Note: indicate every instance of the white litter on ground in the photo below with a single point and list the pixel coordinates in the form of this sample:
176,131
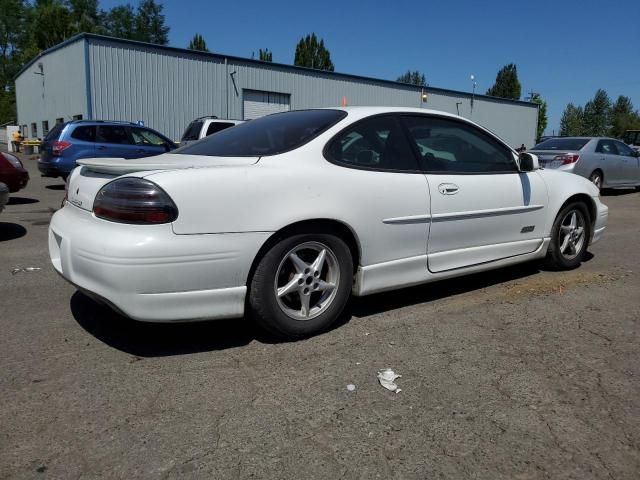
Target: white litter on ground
25,269
387,379
351,387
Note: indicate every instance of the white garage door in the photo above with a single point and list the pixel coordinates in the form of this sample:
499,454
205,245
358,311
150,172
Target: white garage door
258,104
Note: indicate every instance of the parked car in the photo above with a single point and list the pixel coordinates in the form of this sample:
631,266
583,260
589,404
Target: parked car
12,172
605,161
4,195
205,126
296,211
68,142
632,138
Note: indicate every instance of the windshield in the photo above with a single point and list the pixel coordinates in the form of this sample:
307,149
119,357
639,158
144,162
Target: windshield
562,144
268,135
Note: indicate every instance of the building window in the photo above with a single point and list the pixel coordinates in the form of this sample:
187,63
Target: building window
34,130
59,120
77,117
45,128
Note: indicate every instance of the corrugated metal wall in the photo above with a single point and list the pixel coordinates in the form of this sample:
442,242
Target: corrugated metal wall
59,93
167,88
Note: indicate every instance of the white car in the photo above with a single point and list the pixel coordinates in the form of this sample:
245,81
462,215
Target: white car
204,126
290,214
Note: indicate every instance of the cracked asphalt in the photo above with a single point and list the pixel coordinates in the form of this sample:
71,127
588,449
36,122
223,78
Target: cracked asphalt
513,374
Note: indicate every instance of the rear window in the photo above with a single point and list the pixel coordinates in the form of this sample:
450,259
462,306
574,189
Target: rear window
268,135
86,133
55,132
193,131
562,144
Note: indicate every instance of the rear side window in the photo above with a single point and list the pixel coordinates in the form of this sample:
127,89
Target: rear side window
376,143
55,132
113,134
193,131
217,127
562,144
623,149
452,146
85,133
268,135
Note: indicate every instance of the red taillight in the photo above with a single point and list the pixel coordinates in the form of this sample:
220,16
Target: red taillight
59,146
567,158
134,200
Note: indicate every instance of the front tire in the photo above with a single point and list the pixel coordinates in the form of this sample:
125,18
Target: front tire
301,285
596,178
569,237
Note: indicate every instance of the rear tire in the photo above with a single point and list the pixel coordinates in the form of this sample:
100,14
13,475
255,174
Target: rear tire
301,285
570,237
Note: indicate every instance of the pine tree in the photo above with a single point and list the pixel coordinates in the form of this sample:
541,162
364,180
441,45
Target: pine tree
413,78
507,84
313,54
198,43
150,25
597,115
571,123
265,55
623,117
542,114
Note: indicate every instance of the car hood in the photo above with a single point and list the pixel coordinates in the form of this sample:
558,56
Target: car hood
168,161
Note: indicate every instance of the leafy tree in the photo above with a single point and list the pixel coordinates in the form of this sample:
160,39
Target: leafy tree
507,84
198,43
265,55
542,114
571,123
85,16
50,23
597,115
312,53
120,22
149,25
413,78
13,36
623,117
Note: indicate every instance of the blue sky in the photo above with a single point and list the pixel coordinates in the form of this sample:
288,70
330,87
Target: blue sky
564,49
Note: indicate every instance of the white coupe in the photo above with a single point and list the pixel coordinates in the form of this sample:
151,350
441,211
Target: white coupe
284,217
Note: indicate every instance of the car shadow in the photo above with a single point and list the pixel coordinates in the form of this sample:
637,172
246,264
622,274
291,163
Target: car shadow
21,201
611,192
143,339
11,231
55,187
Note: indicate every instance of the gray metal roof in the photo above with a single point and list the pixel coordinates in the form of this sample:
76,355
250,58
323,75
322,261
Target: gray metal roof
281,66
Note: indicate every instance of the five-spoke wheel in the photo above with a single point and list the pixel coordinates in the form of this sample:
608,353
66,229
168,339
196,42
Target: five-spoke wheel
569,236
301,284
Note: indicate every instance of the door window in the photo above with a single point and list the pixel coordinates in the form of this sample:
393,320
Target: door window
377,143
113,134
607,147
142,136
454,147
623,149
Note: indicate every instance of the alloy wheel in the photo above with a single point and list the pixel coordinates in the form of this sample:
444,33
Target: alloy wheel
571,235
307,281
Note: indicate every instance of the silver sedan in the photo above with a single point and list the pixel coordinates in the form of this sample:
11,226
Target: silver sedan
607,162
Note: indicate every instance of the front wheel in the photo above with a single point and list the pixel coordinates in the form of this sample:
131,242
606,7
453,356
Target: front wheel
569,237
301,285
596,179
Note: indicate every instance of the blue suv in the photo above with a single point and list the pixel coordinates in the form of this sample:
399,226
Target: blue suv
71,141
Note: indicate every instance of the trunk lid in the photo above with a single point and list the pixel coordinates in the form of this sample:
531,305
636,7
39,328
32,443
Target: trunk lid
546,157
85,182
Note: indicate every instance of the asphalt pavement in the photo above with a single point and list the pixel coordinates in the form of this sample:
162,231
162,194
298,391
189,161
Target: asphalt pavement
518,373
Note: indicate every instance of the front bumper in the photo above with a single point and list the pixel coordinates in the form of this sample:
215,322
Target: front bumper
600,223
148,272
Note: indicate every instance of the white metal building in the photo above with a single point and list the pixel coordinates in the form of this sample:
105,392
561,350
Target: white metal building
95,77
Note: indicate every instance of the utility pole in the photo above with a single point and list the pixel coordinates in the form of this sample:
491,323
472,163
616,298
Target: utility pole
532,94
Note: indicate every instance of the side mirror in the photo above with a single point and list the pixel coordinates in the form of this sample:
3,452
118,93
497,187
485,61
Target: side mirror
528,162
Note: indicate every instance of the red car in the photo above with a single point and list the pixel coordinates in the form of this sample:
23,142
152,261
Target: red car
12,172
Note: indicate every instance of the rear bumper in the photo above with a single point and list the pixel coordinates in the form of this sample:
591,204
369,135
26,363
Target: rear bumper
16,180
53,170
149,273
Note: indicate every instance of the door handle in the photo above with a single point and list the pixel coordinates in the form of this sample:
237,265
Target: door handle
448,188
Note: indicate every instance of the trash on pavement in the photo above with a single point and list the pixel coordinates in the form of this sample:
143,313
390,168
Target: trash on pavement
25,269
351,387
387,379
